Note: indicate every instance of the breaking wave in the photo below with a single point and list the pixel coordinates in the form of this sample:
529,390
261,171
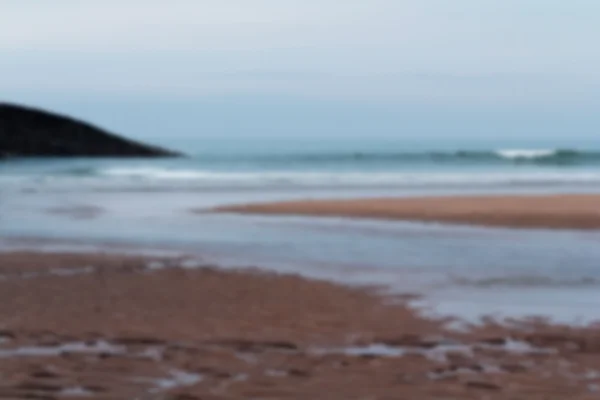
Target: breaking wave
196,179
555,157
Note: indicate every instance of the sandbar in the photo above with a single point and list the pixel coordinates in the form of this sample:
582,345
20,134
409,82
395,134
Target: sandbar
517,211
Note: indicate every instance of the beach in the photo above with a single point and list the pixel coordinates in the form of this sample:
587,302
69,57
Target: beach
129,327
316,200
175,280
541,211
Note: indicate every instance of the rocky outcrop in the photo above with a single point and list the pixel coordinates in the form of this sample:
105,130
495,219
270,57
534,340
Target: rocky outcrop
28,132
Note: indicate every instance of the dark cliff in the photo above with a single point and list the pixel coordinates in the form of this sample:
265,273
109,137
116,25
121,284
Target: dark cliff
29,132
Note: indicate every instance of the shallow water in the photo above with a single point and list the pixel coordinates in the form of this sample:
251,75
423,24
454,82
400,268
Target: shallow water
464,271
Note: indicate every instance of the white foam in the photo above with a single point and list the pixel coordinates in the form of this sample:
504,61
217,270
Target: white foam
189,180
527,154
155,173
220,179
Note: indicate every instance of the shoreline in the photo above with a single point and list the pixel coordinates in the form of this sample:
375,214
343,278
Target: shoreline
512,211
121,327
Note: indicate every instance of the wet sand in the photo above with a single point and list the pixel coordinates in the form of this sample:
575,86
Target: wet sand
122,327
556,211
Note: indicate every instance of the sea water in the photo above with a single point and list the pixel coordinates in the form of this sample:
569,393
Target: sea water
309,164
465,271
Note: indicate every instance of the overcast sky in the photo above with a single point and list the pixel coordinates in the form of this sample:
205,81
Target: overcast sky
286,67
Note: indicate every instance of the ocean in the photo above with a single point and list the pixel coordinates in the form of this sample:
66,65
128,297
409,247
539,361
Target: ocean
314,164
147,205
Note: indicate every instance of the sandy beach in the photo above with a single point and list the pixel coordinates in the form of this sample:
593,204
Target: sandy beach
551,211
117,327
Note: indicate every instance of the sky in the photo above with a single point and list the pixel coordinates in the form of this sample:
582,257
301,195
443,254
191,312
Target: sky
307,69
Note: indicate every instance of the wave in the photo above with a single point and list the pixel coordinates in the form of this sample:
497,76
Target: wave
556,157
189,178
527,154
550,156
343,169
336,176
541,156
160,173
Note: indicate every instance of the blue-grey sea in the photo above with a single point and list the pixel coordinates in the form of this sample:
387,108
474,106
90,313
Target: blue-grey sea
470,272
